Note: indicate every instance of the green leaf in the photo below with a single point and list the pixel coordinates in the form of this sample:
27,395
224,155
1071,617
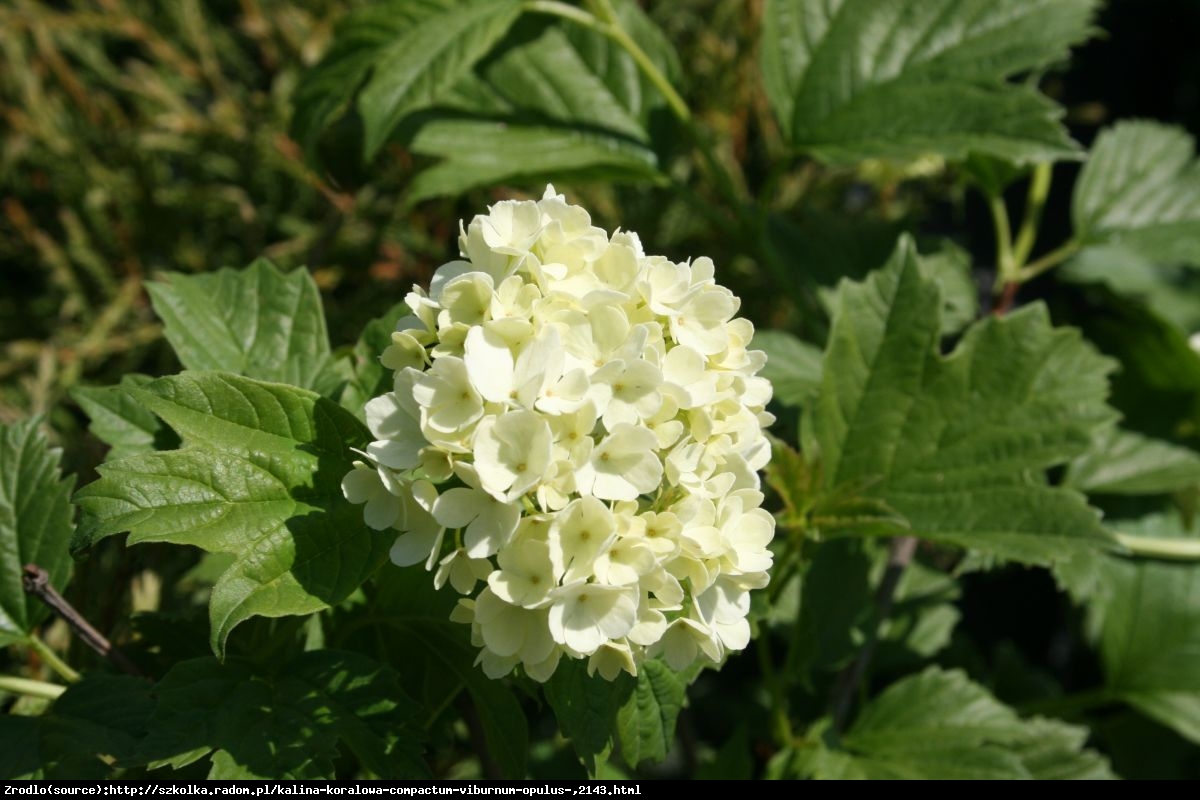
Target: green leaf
97,720
794,480
633,716
20,758
793,366
1171,291
835,600
950,269
922,619
120,421
646,723
368,377
1123,462
284,725
361,37
437,660
940,725
586,708
1140,189
991,175
958,444
259,476
516,152
1147,616
860,79
553,102
257,322
427,59
36,519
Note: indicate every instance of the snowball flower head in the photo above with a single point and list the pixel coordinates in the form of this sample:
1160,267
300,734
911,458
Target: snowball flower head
573,442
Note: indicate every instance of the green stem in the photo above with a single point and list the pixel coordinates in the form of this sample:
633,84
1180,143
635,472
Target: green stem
1039,190
604,10
52,660
1006,265
604,20
1048,261
29,688
1174,548
781,725
557,9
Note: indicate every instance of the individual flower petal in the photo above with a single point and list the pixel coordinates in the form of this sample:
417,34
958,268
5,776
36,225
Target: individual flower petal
512,452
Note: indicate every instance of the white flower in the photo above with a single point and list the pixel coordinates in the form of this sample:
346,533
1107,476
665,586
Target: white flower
584,616
512,452
365,484
578,426
422,537
622,466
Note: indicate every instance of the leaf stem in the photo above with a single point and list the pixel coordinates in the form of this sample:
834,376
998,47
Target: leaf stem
1006,266
1048,261
1174,548
52,660
566,11
603,19
1039,189
603,9
30,688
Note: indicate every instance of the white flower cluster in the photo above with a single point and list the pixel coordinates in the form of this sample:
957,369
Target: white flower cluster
578,426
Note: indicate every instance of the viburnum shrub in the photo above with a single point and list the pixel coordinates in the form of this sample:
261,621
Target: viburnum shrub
532,506
576,426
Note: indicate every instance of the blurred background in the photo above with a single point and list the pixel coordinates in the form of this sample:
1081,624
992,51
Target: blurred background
138,137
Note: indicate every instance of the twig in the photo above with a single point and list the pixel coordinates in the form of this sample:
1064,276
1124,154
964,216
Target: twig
36,581
900,554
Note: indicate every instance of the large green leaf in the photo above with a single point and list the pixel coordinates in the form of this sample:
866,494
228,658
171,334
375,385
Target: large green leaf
1123,462
259,476
414,70
36,519
556,102
856,79
958,444
481,152
634,717
96,721
404,55
1140,190
287,724
646,722
1147,615
120,421
938,724
256,322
